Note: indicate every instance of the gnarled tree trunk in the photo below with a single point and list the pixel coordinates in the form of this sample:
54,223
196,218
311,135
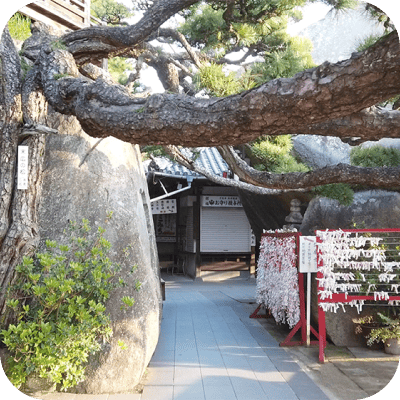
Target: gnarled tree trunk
18,208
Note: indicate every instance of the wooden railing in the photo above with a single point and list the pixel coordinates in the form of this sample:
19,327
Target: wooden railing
62,14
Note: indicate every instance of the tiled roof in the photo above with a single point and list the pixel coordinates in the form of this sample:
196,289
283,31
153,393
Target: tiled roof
208,158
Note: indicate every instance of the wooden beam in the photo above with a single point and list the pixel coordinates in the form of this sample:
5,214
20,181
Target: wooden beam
59,13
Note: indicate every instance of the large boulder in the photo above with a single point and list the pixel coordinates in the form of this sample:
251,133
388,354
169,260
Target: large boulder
321,151
86,179
370,209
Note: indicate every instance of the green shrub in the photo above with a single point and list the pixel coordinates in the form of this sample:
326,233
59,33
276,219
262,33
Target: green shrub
375,156
58,300
19,27
337,191
272,153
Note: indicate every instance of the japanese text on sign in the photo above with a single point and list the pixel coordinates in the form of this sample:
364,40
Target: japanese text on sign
221,201
164,206
308,254
22,173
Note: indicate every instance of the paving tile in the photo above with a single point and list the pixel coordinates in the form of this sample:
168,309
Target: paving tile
278,391
193,392
187,375
211,358
219,393
261,363
217,378
185,356
160,375
304,387
286,365
158,393
247,389
209,349
135,396
163,356
57,396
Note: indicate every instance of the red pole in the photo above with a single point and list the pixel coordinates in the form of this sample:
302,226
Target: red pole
321,334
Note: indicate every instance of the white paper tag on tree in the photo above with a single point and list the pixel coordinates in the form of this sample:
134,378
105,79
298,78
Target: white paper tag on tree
22,173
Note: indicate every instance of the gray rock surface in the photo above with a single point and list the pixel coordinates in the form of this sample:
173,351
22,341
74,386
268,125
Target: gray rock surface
370,209
337,35
321,151
79,183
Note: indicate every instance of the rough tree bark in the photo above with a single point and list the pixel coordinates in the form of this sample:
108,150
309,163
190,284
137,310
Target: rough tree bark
18,208
340,173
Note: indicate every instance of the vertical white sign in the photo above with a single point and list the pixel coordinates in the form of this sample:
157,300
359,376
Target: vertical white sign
308,254
22,173
308,264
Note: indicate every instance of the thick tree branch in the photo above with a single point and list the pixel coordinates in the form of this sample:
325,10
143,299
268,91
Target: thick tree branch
373,123
341,173
174,34
180,158
97,42
318,95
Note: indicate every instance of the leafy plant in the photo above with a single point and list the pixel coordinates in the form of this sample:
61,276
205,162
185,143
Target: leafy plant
391,330
58,300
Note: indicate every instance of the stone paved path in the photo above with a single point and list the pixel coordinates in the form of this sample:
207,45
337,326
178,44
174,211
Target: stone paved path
209,349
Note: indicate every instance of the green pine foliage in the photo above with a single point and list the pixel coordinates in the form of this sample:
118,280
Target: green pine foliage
273,154
117,66
341,192
204,27
342,4
19,27
296,57
213,78
110,11
154,150
58,301
375,156
367,42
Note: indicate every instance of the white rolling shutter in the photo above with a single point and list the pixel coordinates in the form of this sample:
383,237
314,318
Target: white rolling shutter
224,230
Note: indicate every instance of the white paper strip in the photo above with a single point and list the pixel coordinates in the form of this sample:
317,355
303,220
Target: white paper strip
22,173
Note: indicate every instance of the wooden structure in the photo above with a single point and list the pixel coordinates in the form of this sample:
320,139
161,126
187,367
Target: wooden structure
61,14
